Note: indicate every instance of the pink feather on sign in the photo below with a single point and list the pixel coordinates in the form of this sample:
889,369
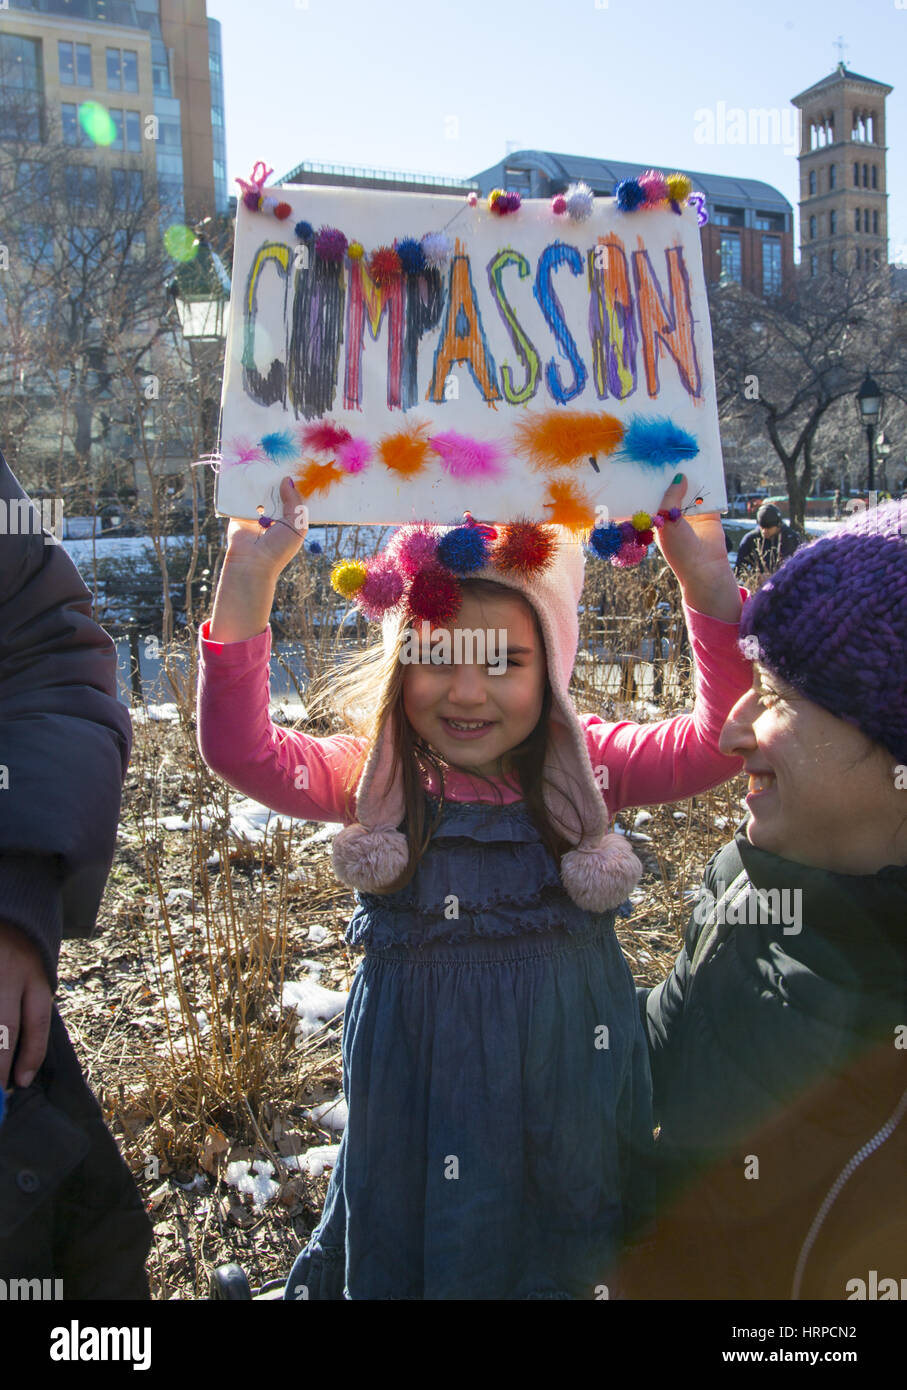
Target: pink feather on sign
468,458
323,435
244,451
354,454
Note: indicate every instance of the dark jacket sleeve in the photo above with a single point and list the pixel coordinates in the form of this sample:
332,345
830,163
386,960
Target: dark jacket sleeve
662,1007
65,738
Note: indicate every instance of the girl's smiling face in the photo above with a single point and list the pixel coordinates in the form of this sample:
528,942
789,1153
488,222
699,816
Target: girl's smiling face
820,792
505,694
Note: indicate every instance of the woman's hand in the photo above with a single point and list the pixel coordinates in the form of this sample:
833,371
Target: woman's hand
270,548
694,548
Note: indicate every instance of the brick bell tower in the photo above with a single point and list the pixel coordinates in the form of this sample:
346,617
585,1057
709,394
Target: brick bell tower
843,198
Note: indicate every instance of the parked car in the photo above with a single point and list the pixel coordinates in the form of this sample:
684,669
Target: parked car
747,503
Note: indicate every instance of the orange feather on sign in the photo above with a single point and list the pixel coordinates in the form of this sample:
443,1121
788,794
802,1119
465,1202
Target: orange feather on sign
569,506
558,438
407,451
318,477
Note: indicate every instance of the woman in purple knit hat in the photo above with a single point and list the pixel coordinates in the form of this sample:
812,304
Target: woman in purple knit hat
779,1040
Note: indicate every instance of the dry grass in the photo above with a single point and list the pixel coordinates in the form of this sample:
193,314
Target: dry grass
176,1012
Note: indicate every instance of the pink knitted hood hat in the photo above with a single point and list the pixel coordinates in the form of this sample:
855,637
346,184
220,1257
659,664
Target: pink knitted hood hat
415,579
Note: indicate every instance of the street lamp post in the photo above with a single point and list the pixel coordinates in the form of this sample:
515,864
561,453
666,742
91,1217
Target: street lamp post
201,292
869,404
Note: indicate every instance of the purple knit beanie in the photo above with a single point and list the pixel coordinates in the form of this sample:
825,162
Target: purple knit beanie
832,622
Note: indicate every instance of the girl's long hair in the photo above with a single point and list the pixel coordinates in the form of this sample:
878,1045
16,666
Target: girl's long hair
366,693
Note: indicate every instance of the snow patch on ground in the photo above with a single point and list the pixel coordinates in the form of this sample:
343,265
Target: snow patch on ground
255,1178
313,1004
332,1115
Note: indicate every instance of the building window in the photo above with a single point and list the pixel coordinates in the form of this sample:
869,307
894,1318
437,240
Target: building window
813,265
812,228
730,258
858,258
122,70
160,79
130,70
865,175
21,88
832,223
133,131
214,64
832,178
75,64
875,176
866,219
81,182
32,180
126,186
37,244
728,217
73,133
220,169
217,116
812,182
129,245
875,223
856,176
84,247
771,265
856,219
834,260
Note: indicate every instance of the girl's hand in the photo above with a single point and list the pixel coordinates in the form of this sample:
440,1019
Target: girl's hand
270,548
694,548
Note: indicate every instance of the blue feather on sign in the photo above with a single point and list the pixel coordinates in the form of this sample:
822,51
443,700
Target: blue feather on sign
279,445
657,442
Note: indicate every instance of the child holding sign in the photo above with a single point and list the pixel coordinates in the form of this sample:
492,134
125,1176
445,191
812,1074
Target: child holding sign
494,1064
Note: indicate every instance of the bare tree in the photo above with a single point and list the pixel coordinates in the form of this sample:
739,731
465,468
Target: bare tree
783,364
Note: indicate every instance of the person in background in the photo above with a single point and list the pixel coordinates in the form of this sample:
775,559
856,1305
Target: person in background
764,549
69,1207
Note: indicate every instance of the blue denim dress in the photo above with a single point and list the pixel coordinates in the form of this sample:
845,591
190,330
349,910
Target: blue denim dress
497,1078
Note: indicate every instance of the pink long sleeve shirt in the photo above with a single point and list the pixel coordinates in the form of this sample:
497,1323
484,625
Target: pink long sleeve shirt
665,761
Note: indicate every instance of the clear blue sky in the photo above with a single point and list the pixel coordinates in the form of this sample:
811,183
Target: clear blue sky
443,87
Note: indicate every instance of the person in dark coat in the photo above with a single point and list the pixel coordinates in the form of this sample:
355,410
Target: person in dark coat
778,1042
69,1207
771,542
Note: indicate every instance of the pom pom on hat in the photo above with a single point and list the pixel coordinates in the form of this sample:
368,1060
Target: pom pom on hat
348,577
369,859
413,547
382,589
435,595
463,549
630,554
559,204
355,250
282,211
304,230
524,548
